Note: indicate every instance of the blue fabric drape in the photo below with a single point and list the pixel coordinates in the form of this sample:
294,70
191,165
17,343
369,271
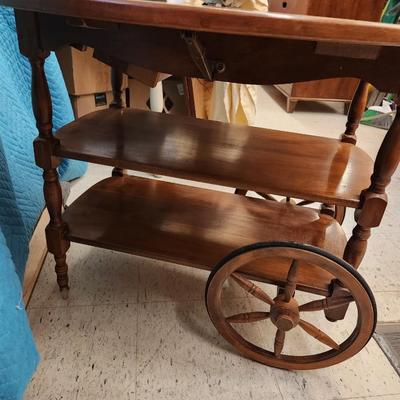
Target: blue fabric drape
21,199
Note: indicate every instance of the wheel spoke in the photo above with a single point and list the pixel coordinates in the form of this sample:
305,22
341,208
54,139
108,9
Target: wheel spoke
266,196
318,334
244,318
251,288
326,303
305,203
279,342
290,286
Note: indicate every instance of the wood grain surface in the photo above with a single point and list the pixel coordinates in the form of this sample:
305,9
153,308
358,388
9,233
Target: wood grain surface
197,227
263,160
186,15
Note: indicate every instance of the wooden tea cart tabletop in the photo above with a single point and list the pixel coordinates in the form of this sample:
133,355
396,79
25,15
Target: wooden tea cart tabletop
192,15
227,44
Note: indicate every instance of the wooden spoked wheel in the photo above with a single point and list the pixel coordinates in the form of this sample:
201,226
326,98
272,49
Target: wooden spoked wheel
337,212
284,312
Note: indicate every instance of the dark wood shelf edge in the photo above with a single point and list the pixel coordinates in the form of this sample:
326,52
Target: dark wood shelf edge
190,176
264,160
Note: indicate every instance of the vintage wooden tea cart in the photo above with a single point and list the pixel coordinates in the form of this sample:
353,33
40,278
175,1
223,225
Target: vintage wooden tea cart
293,247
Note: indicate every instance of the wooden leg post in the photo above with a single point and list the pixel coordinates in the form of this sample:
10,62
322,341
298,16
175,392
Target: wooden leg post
43,147
117,78
373,204
290,105
356,112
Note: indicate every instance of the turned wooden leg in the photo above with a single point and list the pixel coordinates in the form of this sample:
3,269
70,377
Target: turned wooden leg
118,171
356,112
357,245
43,147
56,230
189,97
373,204
117,79
290,105
353,254
346,108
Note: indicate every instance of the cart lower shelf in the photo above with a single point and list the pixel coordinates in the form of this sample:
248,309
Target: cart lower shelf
264,160
198,227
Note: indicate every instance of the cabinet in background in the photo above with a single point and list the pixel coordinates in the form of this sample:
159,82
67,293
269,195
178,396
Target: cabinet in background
341,89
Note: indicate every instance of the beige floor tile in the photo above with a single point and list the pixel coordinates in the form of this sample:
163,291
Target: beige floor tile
388,304
97,276
163,281
395,396
87,352
380,266
61,331
181,356
369,373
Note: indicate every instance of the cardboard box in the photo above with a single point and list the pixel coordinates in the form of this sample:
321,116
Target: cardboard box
174,96
146,76
83,74
88,103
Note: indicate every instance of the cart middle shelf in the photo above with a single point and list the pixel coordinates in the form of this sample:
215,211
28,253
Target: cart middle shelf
264,160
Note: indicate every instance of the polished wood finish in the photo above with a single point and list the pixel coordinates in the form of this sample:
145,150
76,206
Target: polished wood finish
279,342
374,199
43,147
327,303
117,78
290,286
283,60
244,318
251,288
285,313
309,167
357,108
337,212
318,334
372,207
212,19
196,227
189,97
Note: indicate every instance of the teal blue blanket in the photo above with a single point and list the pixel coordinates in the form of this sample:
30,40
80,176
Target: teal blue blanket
21,199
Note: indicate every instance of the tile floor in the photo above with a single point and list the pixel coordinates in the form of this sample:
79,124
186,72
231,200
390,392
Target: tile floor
135,328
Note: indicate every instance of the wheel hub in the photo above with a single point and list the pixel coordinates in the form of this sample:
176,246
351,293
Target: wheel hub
285,315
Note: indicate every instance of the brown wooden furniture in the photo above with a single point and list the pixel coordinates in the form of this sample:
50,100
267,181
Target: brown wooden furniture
292,247
339,89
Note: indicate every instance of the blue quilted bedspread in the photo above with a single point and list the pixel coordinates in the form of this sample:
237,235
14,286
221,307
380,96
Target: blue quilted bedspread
21,199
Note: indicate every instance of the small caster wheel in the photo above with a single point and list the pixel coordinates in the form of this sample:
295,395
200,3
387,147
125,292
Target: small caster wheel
313,348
